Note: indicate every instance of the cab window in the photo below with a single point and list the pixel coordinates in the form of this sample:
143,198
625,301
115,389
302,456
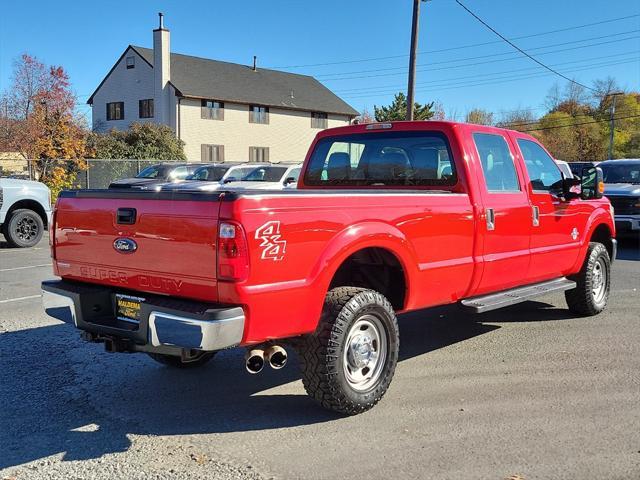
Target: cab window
543,171
382,159
497,163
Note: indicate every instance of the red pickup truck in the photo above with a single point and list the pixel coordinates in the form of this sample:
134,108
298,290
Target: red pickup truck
387,218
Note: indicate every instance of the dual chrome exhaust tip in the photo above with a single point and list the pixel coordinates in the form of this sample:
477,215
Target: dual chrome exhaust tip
255,359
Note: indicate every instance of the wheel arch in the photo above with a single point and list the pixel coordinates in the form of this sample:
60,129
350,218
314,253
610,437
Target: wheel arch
365,251
29,204
603,234
600,228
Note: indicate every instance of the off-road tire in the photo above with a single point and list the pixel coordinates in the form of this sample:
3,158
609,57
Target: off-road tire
28,220
177,362
581,300
322,353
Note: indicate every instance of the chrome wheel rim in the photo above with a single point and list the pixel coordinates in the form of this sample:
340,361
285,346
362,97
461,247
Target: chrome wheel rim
599,285
365,353
26,229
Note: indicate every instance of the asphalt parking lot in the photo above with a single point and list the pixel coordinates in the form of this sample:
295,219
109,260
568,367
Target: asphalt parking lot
529,391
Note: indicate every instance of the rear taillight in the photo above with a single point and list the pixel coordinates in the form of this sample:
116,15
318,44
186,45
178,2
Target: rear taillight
233,255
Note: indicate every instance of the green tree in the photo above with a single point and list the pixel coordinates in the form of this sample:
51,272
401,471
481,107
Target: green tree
627,123
398,110
142,141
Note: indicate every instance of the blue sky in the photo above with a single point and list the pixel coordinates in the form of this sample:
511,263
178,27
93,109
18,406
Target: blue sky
87,37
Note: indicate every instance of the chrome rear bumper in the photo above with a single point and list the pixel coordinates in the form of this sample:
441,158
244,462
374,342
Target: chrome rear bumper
164,323
173,330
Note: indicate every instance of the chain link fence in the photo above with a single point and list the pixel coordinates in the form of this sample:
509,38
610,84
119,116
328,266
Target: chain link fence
98,173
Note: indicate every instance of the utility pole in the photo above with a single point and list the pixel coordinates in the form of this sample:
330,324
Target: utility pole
613,122
412,57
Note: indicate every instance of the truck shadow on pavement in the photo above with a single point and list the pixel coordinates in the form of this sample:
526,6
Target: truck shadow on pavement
60,395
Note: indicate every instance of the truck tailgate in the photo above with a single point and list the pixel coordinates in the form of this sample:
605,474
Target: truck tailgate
169,249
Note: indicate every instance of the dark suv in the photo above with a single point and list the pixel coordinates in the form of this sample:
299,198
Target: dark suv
156,174
622,187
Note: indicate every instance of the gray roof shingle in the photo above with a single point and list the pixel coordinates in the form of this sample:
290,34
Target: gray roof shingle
204,78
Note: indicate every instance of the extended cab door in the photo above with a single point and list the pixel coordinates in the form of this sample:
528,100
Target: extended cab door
504,228
556,224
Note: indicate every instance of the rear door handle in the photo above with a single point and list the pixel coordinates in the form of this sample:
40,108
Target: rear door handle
535,214
126,216
491,219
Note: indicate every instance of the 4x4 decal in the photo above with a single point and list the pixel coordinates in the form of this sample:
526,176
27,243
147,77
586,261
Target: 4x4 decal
272,244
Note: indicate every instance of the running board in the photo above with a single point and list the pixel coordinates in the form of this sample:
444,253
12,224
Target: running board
493,301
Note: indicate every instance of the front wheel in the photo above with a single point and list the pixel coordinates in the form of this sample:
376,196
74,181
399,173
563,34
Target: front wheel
593,283
348,363
23,228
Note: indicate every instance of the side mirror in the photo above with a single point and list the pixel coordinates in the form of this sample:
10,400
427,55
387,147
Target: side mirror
592,183
567,186
230,179
289,180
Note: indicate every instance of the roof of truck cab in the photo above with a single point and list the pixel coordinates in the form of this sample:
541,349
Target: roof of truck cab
402,125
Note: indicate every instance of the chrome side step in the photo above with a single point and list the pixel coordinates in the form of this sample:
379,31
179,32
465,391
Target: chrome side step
493,301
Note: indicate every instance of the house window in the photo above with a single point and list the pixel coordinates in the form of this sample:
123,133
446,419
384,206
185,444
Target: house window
145,108
115,111
131,62
319,120
258,114
212,153
258,154
212,110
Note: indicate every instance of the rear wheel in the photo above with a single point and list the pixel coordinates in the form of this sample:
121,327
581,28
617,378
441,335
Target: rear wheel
178,362
593,283
348,363
23,228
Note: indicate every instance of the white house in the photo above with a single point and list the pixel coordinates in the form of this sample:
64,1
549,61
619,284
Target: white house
221,110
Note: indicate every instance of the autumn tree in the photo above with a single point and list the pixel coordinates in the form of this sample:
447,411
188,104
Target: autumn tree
398,110
521,119
479,117
364,117
41,123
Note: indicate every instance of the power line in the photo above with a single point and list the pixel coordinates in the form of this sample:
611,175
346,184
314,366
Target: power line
521,50
449,67
449,86
373,59
383,87
502,54
577,124
631,111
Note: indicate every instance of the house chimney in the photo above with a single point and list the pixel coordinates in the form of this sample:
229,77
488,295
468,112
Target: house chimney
255,63
162,74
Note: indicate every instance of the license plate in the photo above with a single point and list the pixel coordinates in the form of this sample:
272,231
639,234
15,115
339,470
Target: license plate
128,308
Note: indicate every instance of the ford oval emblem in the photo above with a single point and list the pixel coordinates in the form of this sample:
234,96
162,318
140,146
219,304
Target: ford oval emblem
125,245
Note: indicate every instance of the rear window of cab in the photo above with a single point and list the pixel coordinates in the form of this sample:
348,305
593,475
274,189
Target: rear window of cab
382,159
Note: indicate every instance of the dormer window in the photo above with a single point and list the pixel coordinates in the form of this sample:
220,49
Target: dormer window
131,62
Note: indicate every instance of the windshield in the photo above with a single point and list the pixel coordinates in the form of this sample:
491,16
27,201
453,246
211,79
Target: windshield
257,174
212,174
154,171
623,173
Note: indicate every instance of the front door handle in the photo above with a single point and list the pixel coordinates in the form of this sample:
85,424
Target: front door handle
535,214
491,219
